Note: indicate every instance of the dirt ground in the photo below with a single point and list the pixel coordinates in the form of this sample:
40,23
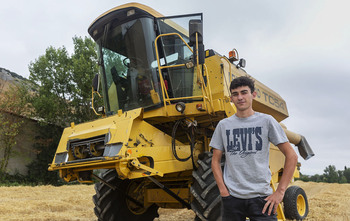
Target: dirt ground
326,201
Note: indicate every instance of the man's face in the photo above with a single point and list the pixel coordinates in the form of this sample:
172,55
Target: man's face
242,98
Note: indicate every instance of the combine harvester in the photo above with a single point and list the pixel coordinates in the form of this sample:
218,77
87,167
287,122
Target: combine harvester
163,97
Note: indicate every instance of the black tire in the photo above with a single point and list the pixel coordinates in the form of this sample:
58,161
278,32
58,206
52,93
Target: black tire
206,196
113,205
295,203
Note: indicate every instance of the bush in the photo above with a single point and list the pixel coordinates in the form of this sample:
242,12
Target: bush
46,145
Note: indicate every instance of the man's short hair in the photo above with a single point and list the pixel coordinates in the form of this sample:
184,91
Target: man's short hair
242,81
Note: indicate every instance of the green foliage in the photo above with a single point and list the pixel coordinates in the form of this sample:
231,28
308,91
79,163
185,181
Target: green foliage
14,180
12,105
317,178
346,174
45,145
9,130
343,179
59,93
63,95
63,83
314,178
330,175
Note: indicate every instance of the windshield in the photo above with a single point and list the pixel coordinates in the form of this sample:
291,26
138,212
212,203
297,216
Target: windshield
126,52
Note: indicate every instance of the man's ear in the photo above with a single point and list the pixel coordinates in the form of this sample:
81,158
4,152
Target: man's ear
254,94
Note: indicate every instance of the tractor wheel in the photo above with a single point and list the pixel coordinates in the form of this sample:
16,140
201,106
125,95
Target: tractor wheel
295,203
123,203
206,196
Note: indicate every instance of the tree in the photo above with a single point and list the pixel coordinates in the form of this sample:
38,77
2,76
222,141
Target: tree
330,174
84,61
316,178
63,83
347,174
343,179
304,178
45,145
12,107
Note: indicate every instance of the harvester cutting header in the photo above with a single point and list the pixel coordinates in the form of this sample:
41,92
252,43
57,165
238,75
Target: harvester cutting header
163,96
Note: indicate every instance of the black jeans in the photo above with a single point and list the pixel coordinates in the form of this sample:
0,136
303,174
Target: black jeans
235,209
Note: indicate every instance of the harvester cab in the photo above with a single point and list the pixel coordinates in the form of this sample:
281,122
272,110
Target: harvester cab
163,96
131,56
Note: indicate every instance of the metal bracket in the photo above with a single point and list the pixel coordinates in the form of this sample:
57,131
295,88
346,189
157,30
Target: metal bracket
136,163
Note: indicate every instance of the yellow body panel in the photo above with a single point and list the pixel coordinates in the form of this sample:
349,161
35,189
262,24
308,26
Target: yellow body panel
222,72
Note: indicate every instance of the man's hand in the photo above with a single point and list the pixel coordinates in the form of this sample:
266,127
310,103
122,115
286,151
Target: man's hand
272,202
224,193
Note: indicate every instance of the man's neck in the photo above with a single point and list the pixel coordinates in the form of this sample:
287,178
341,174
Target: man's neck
245,113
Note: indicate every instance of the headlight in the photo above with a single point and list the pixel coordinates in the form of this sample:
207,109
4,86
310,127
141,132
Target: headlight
61,158
180,107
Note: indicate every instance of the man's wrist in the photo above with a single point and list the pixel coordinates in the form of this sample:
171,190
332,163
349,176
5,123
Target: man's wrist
225,194
281,190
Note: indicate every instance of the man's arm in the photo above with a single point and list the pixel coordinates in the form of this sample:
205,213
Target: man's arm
288,171
216,167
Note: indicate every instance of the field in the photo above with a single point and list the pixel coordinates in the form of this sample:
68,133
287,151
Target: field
326,201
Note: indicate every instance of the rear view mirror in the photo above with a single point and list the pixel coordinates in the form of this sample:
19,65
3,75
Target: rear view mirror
241,63
196,28
95,83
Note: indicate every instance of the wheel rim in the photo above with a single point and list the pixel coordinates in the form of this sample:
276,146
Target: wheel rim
136,190
301,205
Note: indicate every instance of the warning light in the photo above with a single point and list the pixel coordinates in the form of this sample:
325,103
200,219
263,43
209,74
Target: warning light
233,55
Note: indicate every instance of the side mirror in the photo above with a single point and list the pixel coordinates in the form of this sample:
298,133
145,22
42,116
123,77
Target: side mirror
95,83
241,63
196,29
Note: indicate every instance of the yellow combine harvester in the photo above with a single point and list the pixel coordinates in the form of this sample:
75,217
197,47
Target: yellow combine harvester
163,96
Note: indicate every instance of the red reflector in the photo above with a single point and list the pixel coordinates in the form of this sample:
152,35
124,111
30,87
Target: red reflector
199,107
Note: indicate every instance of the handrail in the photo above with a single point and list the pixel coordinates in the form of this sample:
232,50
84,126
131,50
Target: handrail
200,79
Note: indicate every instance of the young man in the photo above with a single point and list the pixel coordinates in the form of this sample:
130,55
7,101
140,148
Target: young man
244,138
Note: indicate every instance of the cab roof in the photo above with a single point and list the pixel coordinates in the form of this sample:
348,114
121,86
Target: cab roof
120,12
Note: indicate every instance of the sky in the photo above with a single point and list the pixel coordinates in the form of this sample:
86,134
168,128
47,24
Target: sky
300,49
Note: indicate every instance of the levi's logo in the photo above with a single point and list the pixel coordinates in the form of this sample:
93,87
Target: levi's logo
244,141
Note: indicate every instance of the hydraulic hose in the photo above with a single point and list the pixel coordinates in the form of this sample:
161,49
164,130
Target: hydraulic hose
191,134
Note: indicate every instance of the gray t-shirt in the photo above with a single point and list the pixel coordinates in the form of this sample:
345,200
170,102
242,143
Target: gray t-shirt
246,143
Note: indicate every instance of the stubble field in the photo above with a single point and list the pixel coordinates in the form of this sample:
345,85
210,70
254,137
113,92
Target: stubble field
44,203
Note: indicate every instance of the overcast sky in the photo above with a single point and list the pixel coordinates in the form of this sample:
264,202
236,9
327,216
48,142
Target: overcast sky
298,48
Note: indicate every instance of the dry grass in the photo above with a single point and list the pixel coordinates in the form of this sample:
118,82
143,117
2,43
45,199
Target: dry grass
47,203
327,202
